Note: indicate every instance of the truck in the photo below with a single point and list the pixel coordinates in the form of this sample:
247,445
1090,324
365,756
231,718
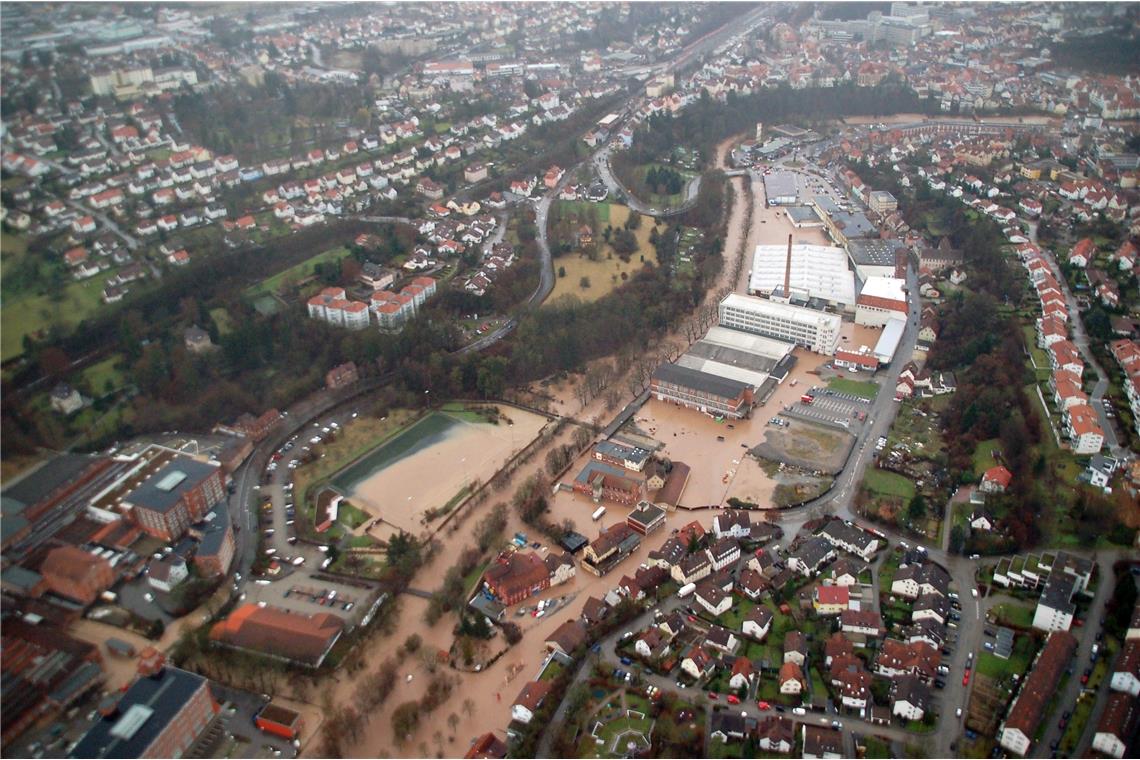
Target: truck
598,514
687,589
807,398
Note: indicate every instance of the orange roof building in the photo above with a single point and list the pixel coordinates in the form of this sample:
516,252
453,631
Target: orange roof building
278,633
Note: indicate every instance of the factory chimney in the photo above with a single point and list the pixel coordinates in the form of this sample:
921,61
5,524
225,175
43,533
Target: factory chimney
788,271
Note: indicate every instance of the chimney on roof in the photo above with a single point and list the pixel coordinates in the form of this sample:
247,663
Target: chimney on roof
109,705
151,662
788,270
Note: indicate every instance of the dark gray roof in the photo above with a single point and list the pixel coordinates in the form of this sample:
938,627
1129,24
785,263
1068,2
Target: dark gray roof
701,381
874,252
161,499
646,514
214,535
731,356
164,695
46,479
622,451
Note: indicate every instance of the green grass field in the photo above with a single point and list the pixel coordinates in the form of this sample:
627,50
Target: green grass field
1013,614
888,483
584,208
993,666
99,375
296,272
222,319
863,389
983,456
28,314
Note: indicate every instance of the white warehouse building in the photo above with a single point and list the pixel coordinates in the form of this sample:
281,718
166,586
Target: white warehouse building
810,271
816,330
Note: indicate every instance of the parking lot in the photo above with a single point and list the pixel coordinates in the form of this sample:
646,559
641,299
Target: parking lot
832,408
309,596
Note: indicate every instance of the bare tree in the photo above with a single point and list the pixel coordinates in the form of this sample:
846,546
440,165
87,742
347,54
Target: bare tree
469,706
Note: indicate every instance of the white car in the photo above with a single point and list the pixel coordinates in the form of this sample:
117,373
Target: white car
148,596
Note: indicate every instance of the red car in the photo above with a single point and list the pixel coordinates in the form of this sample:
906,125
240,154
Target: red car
764,705
966,678
733,699
713,696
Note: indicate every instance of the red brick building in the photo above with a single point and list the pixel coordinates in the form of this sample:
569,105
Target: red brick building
517,576
160,715
73,573
278,633
176,495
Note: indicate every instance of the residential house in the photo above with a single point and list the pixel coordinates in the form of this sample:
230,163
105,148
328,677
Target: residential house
810,556
714,600
775,733
567,638
910,698
791,679
698,664
1118,725
1024,717
996,480
757,622
743,674
732,523
795,648
820,742
612,546
1126,671
830,600
528,701
915,579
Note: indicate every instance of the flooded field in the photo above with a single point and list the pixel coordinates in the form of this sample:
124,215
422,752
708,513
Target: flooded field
429,463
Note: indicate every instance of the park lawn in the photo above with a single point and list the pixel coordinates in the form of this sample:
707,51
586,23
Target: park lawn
657,199
296,272
583,209
603,275
888,484
12,248
1014,615
861,388
996,668
361,542
983,456
104,374
351,516
28,314
222,319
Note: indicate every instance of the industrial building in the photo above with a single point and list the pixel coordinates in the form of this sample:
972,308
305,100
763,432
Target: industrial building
842,225
780,189
802,272
889,339
813,329
874,257
705,392
882,299
740,356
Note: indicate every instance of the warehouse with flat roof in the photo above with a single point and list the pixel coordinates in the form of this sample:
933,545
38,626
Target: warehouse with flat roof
780,189
873,257
811,271
882,299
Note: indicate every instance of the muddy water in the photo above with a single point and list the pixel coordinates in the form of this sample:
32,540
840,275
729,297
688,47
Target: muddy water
402,491
492,691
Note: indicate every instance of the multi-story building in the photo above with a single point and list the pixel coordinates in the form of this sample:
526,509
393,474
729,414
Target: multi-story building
1028,709
161,714
817,330
216,548
882,202
178,494
333,306
881,299
76,574
703,391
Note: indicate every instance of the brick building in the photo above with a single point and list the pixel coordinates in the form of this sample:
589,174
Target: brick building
73,573
180,493
278,633
160,715
216,547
